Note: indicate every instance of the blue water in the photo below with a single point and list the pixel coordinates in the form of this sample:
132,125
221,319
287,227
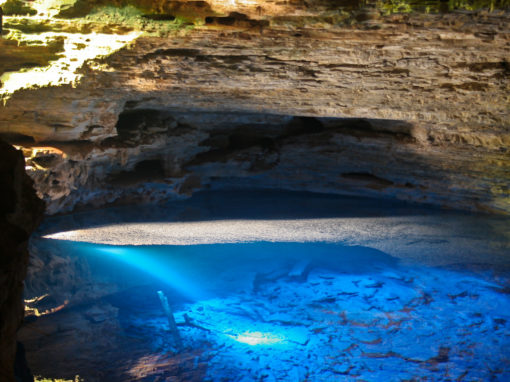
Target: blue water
196,272
314,311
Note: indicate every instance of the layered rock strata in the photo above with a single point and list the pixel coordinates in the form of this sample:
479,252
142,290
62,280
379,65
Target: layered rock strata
20,212
414,107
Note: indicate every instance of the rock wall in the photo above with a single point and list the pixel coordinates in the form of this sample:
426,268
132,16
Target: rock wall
408,106
20,212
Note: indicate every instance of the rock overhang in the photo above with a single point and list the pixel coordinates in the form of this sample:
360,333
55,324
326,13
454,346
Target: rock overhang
416,106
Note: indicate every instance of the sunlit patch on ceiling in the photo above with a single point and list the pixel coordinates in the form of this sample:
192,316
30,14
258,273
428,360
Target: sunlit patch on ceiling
78,48
234,3
50,8
40,157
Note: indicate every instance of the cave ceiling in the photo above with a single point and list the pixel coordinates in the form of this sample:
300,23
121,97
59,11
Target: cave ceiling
129,101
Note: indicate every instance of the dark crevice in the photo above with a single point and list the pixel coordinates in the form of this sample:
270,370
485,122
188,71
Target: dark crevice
361,128
140,125
367,177
133,121
17,138
226,144
159,17
175,52
255,139
236,19
144,171
303,125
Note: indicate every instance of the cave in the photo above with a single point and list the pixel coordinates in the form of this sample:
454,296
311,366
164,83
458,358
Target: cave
254,190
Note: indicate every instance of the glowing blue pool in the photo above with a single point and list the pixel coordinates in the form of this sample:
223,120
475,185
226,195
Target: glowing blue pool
388,300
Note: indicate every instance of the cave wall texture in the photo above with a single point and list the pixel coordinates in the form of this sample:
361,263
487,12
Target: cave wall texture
20,212
412,106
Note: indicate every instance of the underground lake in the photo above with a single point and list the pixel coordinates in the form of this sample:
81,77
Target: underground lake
270,286
254,190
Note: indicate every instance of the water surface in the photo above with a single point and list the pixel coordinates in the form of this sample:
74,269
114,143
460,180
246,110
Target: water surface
283,286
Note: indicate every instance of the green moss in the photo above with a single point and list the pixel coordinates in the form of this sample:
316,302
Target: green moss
189,11
17,7
438,6
82,8
131,18
112,15
395,6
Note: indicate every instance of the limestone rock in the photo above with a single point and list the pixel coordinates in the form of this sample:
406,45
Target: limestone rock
416,109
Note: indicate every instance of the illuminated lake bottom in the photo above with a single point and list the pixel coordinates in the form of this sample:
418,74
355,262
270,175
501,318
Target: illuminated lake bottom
280,311
317,312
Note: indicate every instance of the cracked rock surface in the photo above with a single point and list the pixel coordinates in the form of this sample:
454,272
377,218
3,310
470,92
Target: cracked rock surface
415,109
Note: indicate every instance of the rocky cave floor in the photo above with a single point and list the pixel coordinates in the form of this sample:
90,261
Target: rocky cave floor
389,300
394,324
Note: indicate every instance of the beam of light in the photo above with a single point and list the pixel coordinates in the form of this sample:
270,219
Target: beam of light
78,48
256,338
165,271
